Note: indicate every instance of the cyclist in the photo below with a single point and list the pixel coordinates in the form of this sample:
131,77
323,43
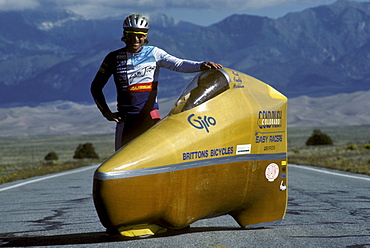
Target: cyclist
135,69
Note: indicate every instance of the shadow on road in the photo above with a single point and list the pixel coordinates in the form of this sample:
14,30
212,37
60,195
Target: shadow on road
9,240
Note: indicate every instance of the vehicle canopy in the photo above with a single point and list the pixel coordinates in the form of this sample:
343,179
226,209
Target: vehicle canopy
202,88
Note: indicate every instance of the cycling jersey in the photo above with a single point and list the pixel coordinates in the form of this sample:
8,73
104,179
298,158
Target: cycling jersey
136,77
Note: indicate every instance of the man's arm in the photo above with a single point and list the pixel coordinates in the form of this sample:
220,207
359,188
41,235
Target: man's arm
182,65
96,90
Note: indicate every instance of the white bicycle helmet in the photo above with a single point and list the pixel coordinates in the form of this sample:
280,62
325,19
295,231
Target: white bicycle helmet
136,22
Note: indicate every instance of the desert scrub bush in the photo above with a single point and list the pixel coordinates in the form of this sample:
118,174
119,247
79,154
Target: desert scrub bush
352,147
86,150
366,146
318,138
51,156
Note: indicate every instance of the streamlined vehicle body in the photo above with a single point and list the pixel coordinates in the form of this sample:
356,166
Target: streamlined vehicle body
221,150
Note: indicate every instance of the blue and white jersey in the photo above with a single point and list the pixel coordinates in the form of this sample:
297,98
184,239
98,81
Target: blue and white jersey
136,76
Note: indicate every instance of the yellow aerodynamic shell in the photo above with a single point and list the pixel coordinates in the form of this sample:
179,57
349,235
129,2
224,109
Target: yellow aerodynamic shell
225,155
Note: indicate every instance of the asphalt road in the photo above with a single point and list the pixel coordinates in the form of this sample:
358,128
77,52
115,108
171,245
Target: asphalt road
326,209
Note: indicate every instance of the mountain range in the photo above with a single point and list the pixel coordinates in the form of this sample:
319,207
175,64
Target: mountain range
53,55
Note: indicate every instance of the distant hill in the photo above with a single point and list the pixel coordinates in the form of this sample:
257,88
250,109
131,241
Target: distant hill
65,118
53,55
335,110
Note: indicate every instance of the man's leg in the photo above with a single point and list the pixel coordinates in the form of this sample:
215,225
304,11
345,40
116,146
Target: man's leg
119,132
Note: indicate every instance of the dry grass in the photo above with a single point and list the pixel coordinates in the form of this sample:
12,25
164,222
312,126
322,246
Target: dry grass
13,172
350,152
333,157
23,157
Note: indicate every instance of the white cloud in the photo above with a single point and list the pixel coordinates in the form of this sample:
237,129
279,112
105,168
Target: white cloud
190,10
256,4
103,8
115,6
18,4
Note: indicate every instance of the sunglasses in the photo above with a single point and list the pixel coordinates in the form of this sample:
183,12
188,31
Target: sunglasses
136,34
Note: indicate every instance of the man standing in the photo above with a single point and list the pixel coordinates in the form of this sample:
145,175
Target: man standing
135,69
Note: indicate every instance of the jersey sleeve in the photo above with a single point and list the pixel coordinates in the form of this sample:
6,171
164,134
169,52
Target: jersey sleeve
100,80
170,62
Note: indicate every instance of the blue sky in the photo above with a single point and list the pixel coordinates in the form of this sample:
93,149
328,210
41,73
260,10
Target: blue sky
204,12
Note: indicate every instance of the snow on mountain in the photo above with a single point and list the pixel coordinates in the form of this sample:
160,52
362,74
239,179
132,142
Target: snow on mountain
49,25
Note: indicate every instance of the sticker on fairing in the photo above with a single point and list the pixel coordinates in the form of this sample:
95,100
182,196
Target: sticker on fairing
272,172
243,149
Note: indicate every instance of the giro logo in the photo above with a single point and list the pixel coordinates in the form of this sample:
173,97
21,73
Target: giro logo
201,122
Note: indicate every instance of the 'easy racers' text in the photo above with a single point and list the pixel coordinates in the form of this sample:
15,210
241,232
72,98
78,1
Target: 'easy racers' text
269,138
